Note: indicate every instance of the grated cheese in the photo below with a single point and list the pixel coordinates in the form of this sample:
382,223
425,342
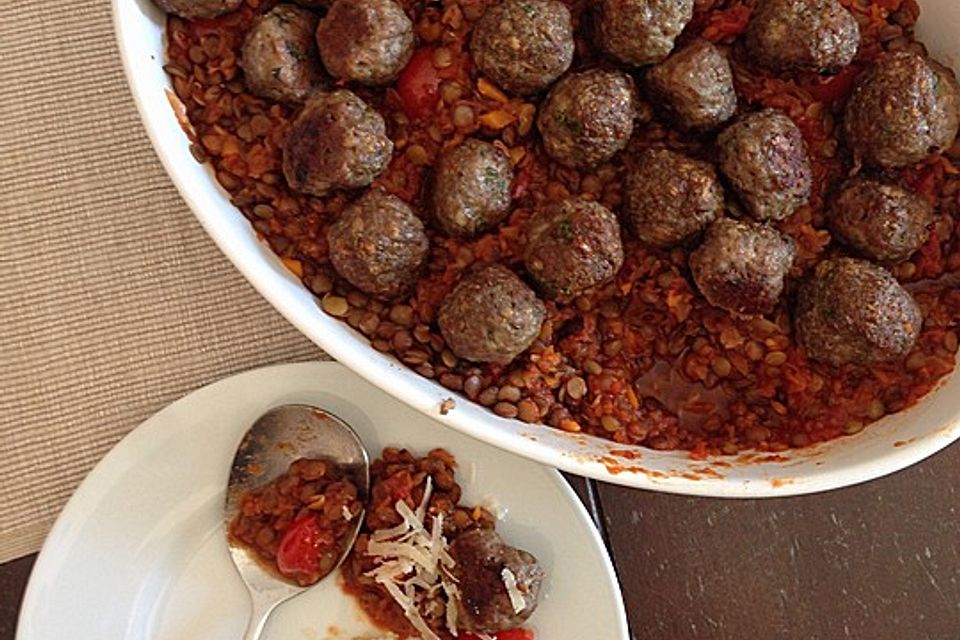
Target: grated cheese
414,564
516,597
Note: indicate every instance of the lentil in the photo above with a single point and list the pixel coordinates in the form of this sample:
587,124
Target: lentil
335,306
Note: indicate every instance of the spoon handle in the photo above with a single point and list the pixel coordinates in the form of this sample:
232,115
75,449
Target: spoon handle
260,611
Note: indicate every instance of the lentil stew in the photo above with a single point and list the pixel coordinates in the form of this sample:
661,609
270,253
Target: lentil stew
639,356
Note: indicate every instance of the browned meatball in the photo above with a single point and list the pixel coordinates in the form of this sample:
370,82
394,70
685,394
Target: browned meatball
642,32
588,117
193,9
378,245
484,562
336,142
471,188
694,86
882,221
572,246
524,45
902,109
670,197
491,316
365,41
280,59
765,159
852,311
817,35
741,266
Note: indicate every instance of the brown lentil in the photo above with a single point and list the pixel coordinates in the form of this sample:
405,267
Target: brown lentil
505,409
335,306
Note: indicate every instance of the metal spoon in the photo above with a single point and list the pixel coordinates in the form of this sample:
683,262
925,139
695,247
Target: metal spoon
275,440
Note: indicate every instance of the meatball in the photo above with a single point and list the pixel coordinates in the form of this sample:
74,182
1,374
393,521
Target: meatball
336,142
483,561
641,32
524,45
471,188
903,108
764,157
572,245
694,86
366,41
588,117
882,221
279,55
193,9
378,245
741,266
852,311
817,35
670,197
491,316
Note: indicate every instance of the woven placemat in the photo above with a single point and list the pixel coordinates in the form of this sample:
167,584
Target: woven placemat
114,302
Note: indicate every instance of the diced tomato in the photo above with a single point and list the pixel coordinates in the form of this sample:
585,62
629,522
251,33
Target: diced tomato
512,634
399,486
419,84
837,87
299,550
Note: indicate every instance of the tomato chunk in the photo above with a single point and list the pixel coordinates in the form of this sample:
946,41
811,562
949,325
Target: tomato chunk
298,554
419,84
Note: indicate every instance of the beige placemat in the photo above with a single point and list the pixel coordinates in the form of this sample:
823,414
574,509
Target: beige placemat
113,302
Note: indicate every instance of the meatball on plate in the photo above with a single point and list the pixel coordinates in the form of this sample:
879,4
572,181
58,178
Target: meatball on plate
557,226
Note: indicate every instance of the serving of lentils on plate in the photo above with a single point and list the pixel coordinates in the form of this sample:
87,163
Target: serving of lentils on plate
424,565
706,225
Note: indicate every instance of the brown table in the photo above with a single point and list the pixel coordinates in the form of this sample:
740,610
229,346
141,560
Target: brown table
880,561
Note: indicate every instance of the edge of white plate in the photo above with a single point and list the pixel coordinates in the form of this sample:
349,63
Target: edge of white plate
60,534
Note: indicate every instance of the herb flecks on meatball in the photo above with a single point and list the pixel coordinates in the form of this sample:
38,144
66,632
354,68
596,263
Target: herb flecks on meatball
490,316
641,32
884,222
524,45
194,9
853,311
572,245
336,142
816,35
694,86
764,157
484,564
588,117
741,266
365,41
901,110
670,197
279,55
471,188
378,245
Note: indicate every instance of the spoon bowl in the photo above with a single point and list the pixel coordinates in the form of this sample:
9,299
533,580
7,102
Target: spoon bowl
278,438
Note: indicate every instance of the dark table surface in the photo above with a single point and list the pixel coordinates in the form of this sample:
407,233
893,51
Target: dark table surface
880,561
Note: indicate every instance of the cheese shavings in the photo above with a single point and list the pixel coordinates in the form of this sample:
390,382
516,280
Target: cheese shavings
516,597
414,564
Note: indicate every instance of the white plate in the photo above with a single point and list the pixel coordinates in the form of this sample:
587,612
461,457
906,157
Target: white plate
139,552
885,447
